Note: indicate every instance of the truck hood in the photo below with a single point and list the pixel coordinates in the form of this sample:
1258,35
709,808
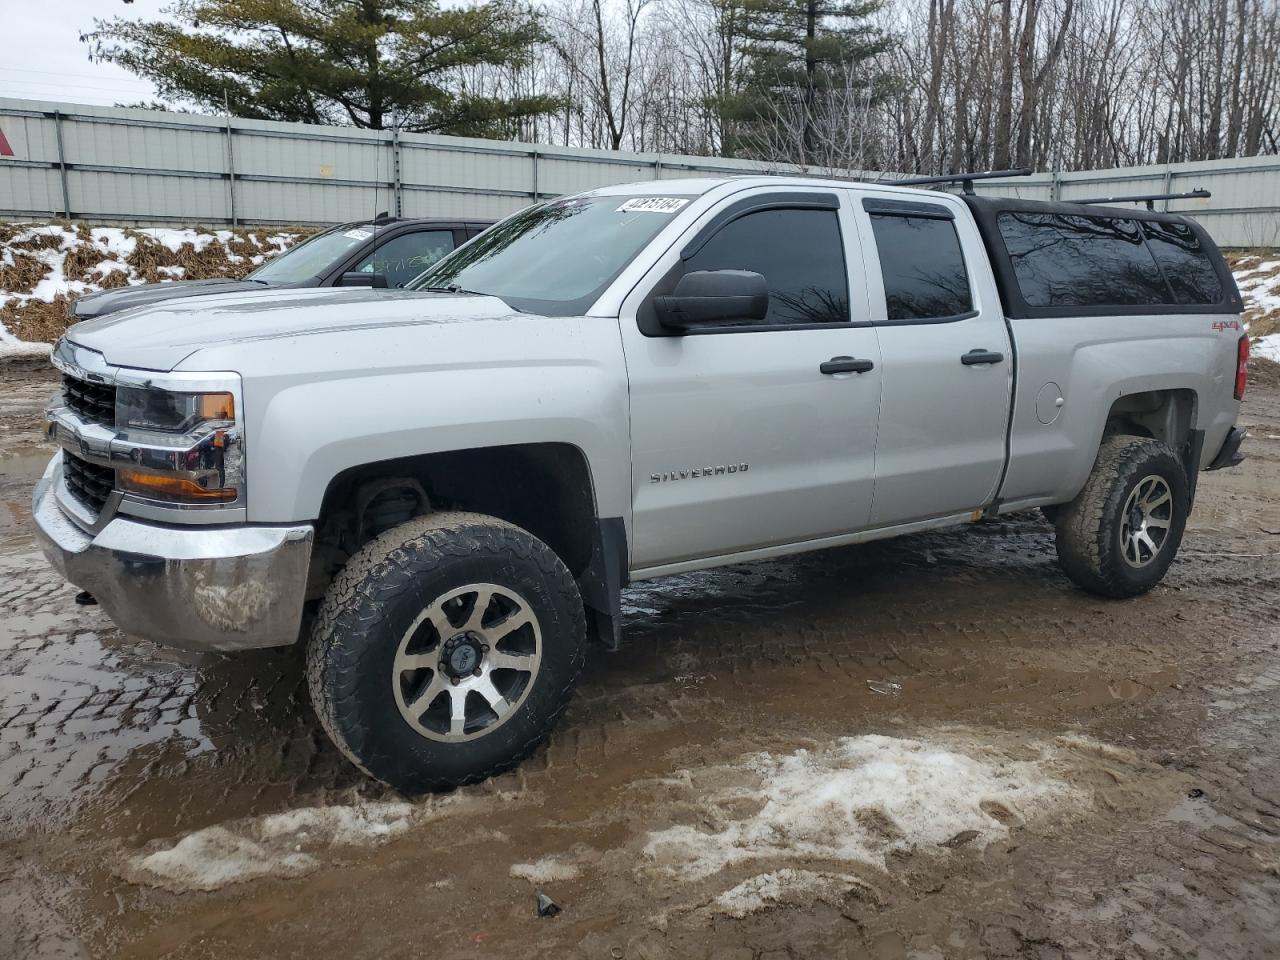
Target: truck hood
160,337
126,298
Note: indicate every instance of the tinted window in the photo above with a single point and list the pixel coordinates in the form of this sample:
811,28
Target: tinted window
406,256
1186,265
922,266
798,252
1062,260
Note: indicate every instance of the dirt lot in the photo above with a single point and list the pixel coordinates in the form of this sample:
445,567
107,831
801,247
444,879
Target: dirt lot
933,747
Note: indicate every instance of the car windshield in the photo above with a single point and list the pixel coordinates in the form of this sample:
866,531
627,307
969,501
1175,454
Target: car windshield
313,257
555,258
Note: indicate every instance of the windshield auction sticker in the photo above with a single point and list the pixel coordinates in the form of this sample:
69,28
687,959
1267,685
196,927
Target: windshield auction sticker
652,205
358,234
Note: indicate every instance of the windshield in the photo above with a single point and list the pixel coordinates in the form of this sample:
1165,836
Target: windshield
313,257
555,258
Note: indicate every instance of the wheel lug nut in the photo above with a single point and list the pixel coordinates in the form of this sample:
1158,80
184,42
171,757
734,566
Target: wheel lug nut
456,681
475,672
484,647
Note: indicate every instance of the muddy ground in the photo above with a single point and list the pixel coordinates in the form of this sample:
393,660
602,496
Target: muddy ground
1118,762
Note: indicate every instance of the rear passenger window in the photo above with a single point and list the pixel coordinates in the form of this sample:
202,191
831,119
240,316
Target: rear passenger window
1063,260
1185,264
923,267
798,252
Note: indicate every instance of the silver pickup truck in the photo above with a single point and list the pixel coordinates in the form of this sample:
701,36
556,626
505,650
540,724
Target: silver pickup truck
443,490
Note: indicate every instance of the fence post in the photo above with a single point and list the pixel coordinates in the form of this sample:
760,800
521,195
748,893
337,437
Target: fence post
533,155
395,169
62,164
231,175
1168,185
657,167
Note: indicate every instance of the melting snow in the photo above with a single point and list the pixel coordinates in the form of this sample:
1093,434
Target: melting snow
1259,283
1268,346
856,801
115,245
279,845
786,887
546,870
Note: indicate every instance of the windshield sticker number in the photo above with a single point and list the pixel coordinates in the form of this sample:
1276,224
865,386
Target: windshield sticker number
652,205
358,234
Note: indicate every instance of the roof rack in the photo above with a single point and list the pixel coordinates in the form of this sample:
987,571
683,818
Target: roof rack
965,179
1150,198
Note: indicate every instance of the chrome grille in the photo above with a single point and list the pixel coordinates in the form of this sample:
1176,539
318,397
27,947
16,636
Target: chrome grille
87,482
94,402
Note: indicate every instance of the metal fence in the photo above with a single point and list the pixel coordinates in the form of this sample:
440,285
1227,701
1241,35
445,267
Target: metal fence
111,165
125,165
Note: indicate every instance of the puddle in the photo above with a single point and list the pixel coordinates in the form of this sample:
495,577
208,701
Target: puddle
18,476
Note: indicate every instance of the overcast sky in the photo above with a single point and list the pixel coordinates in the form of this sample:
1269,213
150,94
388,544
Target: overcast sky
42,58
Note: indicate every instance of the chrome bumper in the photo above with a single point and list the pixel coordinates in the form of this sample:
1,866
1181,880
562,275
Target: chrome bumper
194,588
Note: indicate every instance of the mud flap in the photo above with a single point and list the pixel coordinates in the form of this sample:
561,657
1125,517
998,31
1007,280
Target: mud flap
1191,452
602,582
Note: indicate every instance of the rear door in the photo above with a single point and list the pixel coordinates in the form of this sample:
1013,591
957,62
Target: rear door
948,366
740,440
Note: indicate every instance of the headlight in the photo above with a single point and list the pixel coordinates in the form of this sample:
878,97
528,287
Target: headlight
183,448
143,408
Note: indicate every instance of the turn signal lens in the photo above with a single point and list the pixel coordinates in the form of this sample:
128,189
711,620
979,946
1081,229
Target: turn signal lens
1242,366
216,406
178,489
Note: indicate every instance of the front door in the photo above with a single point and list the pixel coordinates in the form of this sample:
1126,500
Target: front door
948,366
740,440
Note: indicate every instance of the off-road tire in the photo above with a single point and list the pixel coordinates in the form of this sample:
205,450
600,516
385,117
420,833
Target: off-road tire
1088,528
376,596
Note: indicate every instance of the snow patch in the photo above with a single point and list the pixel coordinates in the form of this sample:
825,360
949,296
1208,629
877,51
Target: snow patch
1268,347
857,801
546,870
112,247
786,887
284,844
214,857
11,347
1259,283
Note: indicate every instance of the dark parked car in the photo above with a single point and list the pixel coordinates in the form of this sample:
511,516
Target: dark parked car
387,251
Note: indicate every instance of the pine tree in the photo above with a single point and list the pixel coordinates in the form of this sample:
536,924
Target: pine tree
371,63
799,51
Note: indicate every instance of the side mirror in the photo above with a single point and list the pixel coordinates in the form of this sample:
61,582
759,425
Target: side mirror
378,280
713,296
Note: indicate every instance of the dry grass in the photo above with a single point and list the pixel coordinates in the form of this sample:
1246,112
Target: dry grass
22,275
1247,266
43,321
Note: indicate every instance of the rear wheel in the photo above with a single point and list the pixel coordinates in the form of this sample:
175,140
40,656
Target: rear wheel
1118,537
445,650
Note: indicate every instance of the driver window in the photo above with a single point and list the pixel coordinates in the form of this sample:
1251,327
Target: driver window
408,255
800,255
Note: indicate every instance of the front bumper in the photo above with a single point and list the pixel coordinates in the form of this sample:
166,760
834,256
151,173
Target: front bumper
194,588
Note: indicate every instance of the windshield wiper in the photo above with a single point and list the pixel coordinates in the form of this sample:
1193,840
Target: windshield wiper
454,288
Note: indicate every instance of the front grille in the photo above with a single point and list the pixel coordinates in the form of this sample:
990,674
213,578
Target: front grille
87,482
94,402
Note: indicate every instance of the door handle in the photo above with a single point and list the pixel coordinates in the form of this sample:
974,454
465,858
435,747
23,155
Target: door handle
981,356
846,365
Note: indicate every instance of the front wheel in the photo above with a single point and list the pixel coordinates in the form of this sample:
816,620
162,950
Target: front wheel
445,650
1118,537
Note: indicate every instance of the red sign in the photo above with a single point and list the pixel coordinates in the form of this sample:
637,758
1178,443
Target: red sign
5,149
